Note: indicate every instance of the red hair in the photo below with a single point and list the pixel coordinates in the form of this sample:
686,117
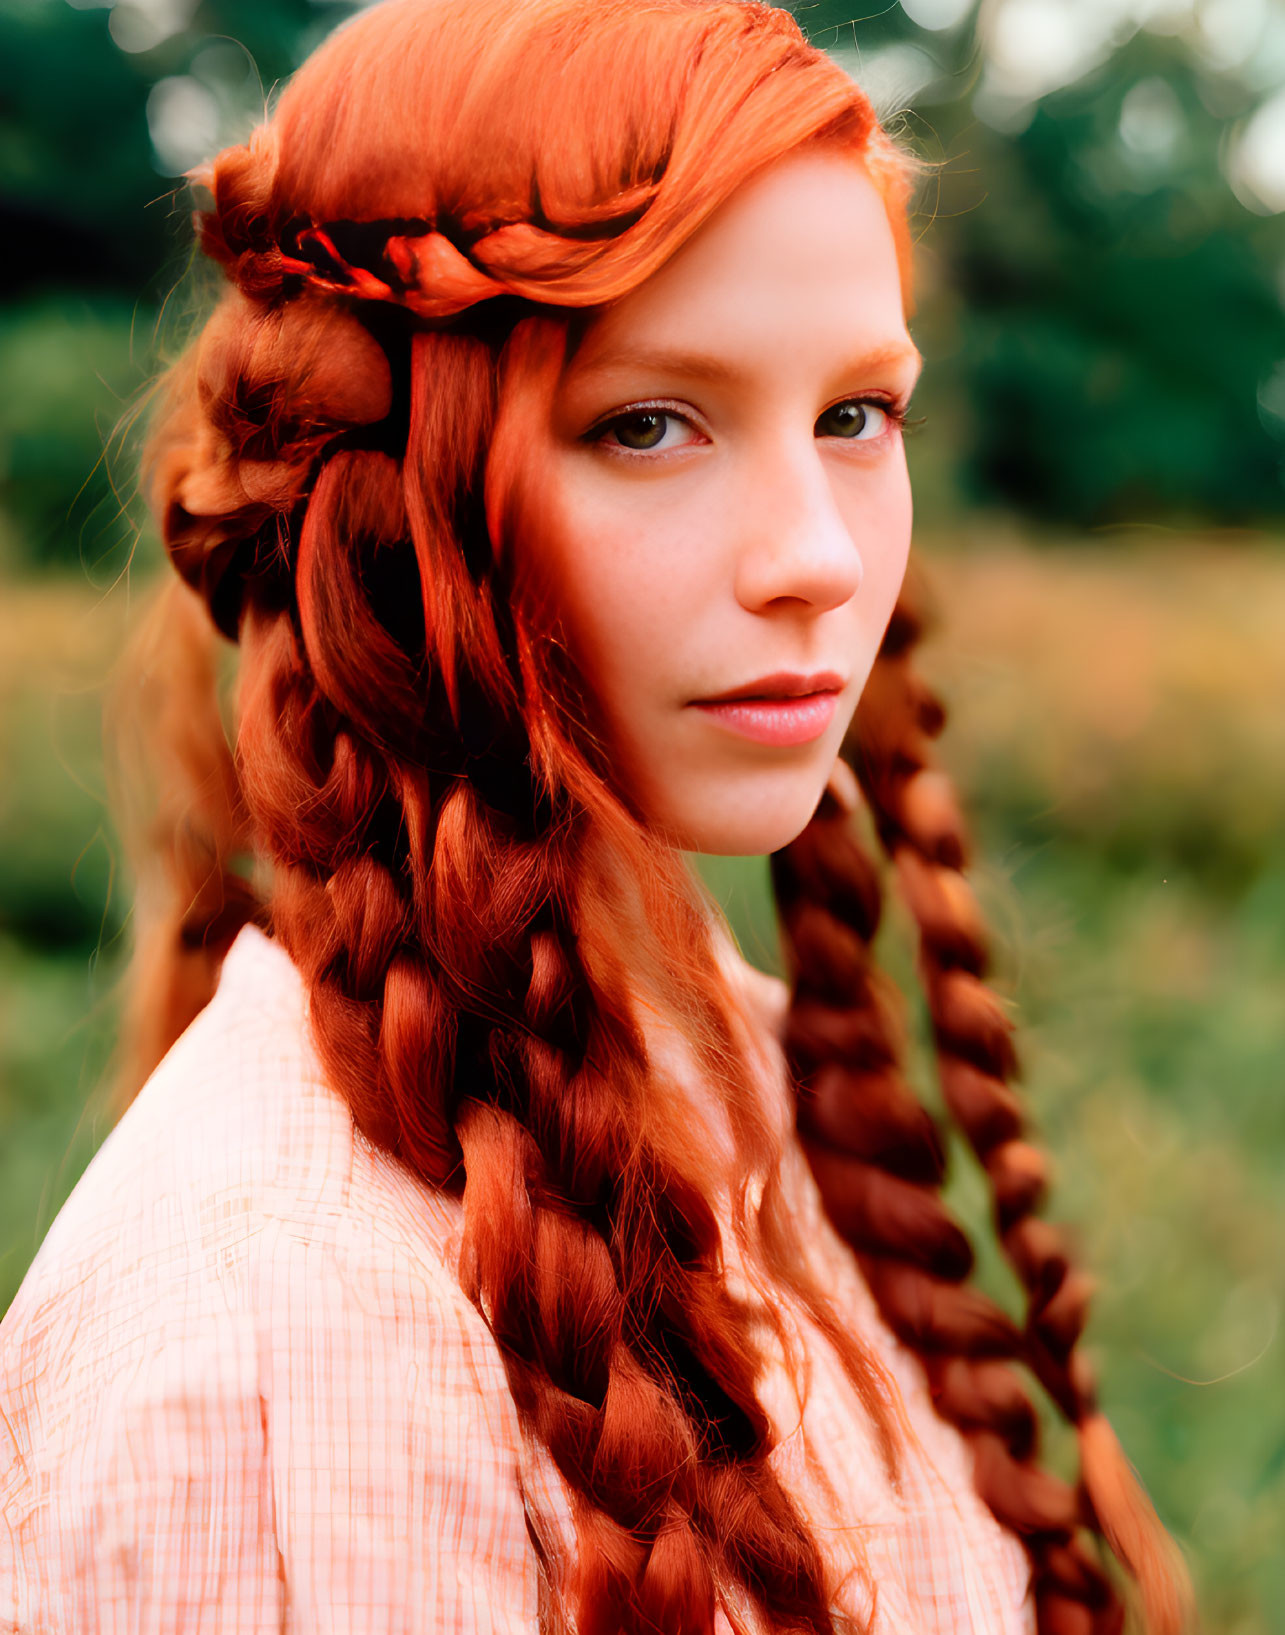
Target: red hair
336,468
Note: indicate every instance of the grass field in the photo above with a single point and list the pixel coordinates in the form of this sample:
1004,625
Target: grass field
1117,722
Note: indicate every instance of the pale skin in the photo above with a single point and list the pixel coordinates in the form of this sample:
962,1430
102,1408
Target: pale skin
724,499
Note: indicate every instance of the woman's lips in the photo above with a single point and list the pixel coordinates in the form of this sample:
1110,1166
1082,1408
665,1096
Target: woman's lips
781,721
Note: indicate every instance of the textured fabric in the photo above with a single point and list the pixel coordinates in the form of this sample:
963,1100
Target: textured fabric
241,1389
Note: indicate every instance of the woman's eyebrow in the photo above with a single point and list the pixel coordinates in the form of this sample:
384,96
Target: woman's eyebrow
706,367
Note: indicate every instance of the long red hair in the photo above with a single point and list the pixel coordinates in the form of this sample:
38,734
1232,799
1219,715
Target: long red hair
335,467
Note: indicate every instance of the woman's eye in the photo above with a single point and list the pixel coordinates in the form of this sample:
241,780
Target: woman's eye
645,429
857,421
657,429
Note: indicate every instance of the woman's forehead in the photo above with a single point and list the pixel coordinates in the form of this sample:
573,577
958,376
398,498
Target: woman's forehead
800,256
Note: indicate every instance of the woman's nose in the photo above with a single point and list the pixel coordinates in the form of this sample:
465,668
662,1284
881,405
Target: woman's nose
794,542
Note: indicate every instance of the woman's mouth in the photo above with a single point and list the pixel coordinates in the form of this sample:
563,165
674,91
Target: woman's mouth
782,709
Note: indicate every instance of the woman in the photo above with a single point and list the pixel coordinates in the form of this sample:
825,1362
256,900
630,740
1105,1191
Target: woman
467,1263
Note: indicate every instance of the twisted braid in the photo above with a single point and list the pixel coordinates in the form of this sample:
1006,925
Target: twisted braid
878,1158
589,1244
605,1294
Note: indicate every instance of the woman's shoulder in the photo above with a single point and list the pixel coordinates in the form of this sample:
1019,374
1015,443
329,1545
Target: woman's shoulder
235,1180
243,1311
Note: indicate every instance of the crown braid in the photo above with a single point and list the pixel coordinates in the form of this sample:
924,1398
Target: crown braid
878,1159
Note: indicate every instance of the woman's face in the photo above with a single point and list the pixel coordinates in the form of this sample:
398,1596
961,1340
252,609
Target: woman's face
724,504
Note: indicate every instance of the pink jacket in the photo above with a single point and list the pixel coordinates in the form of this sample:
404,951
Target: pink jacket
241,1390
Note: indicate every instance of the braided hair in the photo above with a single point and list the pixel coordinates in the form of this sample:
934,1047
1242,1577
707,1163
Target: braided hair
879,1161
333,466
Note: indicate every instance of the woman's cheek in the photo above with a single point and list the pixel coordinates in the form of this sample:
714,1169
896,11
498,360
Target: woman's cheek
885,541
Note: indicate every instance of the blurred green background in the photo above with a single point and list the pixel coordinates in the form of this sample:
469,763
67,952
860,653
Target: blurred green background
1101,493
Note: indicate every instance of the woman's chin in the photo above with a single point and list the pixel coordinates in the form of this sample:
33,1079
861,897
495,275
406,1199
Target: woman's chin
750,824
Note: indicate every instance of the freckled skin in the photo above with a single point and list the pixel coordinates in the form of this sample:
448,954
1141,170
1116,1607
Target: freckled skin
742,530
